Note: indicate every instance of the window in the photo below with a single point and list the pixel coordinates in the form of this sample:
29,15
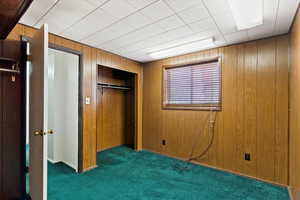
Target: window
194,86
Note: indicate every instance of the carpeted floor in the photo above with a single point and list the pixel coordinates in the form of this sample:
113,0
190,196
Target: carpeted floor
124,174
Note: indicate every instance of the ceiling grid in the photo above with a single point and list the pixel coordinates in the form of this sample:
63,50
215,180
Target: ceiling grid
135,28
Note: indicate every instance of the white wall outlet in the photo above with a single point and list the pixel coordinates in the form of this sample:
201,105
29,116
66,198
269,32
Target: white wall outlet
87,100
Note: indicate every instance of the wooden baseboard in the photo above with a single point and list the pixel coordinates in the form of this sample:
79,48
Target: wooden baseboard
224,170
294,193
240,174
89,168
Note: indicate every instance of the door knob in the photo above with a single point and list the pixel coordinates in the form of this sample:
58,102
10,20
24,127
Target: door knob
50,131
38,133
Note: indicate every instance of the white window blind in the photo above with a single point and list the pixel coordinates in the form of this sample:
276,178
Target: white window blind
194,85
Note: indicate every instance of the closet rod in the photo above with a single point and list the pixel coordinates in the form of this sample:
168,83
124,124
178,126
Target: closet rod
113,86
9,70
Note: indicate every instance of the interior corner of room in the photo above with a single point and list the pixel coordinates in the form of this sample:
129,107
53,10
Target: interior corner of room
152,99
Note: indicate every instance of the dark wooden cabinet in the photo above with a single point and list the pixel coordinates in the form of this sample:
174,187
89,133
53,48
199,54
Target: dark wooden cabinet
12,123
10,13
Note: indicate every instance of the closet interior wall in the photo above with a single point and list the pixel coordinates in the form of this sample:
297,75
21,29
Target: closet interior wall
115,108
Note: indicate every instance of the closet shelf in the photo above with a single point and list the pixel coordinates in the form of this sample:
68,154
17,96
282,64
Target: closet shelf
7,61
105,85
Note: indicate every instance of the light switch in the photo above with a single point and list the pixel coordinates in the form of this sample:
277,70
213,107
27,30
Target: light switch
87,100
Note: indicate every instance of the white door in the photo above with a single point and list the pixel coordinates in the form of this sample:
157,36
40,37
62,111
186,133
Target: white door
38,114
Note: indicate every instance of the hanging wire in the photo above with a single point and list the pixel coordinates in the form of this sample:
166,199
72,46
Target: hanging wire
186,163
210,120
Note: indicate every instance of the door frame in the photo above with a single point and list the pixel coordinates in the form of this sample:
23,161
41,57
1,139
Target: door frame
80,100
80,95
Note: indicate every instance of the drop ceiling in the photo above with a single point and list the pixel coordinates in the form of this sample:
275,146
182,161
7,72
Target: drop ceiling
134,28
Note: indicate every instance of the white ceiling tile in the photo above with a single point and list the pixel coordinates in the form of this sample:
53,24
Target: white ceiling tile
167,42
270,10
138,4
194,13
238,36
157,11
115,44
159,39
98,38
118,8
64,14
134,55
179,5
120,27
108,46
144,33
209,33
140,56
137,20
170,23
110,33
89,25
203,25
97,2
261,31
175,33
217,7
286,13
269,22
178,41
36,10
220,42
269,18
135,36
226,23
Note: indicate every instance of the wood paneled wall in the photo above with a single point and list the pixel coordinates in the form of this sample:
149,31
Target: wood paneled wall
91,58
254,116
295,109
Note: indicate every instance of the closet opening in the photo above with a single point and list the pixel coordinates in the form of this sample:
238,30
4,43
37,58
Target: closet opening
116,108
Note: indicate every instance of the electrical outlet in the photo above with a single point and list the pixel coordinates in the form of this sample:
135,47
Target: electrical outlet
247,156
163,142
87,100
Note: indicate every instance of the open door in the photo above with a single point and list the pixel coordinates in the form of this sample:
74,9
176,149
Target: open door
38,114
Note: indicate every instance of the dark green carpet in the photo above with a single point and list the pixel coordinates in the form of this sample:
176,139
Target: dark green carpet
128,175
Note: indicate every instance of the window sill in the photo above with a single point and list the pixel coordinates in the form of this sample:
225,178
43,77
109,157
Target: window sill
191,108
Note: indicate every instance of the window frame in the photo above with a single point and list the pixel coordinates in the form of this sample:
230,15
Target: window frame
196,107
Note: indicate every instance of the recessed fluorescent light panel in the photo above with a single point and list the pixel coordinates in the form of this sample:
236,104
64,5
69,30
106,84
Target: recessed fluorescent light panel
184,48
247,13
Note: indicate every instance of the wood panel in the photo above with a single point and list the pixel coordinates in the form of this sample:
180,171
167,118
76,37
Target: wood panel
266,95
250,112
91,58
253,118
294,114
113,131
282,92
240,106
